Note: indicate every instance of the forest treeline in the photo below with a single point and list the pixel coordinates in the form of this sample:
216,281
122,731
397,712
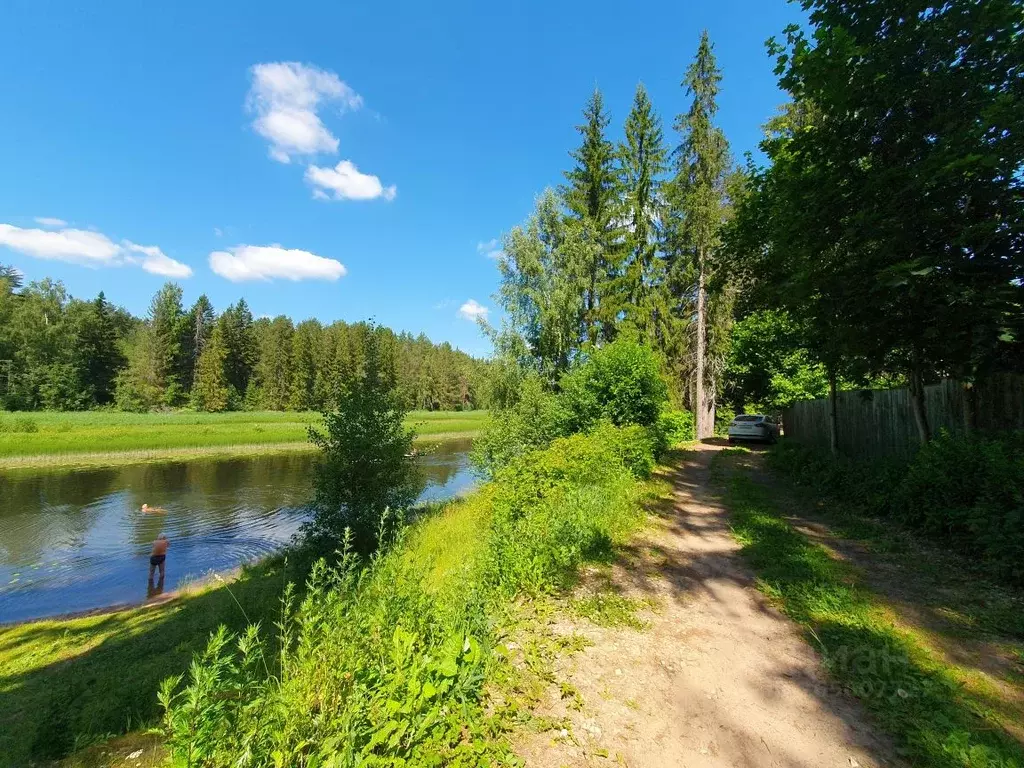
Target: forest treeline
62,353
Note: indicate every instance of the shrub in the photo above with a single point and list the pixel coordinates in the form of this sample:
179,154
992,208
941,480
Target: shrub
366,467
675,427
967,492
620,382
556,507
531,422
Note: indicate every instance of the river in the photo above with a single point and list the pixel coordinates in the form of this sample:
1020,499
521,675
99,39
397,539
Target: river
77,541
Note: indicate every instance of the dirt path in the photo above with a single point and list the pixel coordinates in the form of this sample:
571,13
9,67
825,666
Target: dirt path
718,678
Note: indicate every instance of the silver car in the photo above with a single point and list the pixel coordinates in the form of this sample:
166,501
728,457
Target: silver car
754,426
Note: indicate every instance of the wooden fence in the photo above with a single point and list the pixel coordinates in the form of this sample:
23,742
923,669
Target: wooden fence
881,423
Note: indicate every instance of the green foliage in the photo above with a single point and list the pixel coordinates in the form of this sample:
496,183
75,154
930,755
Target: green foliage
385,662
211,392
60,353
916,698
545,266
824,233
674,427
770,366
366,467
592,196
620,382
967,492
531,421
21,425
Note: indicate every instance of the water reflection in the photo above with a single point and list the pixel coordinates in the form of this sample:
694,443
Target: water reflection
75,541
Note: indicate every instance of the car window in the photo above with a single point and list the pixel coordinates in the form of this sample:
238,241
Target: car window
749,418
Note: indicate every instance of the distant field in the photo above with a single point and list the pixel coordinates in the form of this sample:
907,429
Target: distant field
55,435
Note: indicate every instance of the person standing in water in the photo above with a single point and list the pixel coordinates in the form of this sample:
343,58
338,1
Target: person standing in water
157,556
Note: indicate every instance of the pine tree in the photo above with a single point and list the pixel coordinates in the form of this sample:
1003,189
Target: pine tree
196,332
273,371
698,201
210,391
592,197
643,158
166,321
240,346
306,344
97,352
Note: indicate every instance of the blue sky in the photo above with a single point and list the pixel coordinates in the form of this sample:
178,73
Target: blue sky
244,144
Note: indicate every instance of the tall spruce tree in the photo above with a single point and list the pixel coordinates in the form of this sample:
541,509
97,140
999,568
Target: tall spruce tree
643,161
166,319
210,392
198,327
592,196
698,198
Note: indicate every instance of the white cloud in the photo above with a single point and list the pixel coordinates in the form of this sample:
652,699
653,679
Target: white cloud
90,249
345,182
49,221
285,97
155,261
217,231
491,249
473,310
266,262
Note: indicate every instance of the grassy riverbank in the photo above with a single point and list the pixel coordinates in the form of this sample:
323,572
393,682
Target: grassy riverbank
48,439
68,684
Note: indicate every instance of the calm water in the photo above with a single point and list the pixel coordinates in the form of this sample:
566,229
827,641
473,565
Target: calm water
77,541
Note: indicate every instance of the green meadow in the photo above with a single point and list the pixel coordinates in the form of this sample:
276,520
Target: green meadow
45,439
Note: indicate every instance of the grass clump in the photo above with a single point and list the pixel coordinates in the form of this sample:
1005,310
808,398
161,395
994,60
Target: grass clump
915,697
609,609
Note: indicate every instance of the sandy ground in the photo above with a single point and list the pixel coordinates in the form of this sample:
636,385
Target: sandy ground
718,678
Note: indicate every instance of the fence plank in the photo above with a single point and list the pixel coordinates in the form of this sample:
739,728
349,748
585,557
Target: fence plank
880,422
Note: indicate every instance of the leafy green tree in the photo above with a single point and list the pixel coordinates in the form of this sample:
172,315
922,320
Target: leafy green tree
592,196
620,382
544,275
197,326
211,391
140,385
699,201
770,366
167,322
240,346
366,477
914,237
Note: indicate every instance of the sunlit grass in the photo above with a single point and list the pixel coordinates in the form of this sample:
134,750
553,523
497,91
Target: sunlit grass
49,434
918,698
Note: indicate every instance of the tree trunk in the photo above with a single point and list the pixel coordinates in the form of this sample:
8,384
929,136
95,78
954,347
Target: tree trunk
703,430
924,431
833,413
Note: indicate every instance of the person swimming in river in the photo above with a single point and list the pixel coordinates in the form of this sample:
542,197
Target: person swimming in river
157,556
148,510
